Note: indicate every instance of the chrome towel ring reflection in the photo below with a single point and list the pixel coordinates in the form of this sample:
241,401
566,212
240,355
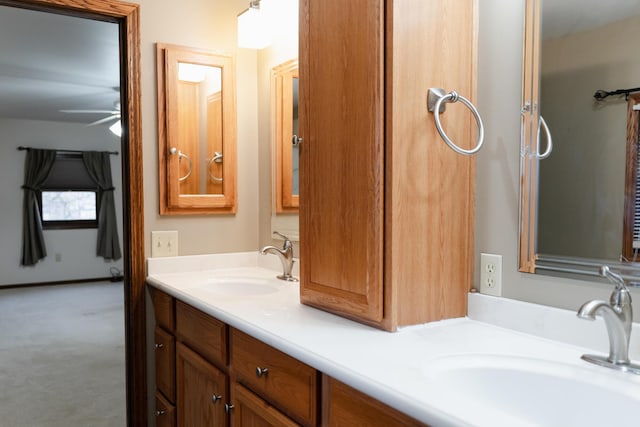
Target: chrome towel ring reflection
217,158
181,155
542,124
435,100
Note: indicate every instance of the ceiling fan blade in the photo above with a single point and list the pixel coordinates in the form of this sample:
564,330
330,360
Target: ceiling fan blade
104,120
90,111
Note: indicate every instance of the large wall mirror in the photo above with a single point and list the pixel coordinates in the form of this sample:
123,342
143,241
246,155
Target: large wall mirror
581,90
196,131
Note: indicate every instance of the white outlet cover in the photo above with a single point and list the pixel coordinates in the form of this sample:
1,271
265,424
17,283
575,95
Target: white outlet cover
491,274
164,244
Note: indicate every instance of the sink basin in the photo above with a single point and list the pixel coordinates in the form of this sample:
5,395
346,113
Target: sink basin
526,391
240,286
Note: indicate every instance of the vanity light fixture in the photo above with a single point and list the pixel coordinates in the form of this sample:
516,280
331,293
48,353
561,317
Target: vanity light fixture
253,27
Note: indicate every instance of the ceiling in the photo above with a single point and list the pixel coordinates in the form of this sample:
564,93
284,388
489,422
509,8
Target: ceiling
51,62
562,17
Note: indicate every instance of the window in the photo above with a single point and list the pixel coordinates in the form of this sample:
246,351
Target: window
69,197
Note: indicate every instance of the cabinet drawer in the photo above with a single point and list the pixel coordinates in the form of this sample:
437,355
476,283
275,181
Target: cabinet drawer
347,407
163,305
165,349
202,333
165,412
285,382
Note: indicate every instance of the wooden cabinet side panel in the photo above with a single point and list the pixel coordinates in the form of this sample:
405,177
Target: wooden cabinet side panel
430,188
197,381
347,407
341,171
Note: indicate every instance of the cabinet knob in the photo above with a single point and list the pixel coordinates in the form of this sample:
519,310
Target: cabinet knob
215,398
228,408
261,372
159,413
159,346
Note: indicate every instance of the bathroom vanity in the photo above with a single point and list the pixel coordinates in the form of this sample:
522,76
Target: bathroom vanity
234,344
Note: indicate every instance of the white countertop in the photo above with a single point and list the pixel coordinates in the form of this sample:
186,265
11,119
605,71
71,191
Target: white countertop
391,367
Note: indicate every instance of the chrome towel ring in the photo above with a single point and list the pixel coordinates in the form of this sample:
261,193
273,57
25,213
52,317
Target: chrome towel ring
435,100
542,124
217,158
181,155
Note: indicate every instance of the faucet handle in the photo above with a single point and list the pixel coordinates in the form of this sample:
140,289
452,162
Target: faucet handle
287,241
614,278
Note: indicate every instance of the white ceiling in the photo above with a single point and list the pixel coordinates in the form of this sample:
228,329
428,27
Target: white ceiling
51,62
562,17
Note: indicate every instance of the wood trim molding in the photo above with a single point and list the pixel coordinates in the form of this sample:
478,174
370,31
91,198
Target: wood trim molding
631,172
127,15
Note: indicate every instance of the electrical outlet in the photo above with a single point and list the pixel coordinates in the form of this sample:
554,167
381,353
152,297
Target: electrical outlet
491,274
164,243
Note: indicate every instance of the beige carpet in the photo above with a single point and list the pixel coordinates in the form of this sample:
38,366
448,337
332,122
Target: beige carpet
62,359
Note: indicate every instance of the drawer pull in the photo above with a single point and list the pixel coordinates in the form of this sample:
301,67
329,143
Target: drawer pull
228,408
215,398
159,413
261,372
159,346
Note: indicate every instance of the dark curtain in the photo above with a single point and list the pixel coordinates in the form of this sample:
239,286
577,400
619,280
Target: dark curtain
99,167
37,168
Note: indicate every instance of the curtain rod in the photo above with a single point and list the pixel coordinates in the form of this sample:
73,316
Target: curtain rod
21,148
602,94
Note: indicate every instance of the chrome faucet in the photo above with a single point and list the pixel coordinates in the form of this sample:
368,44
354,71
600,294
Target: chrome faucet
618,317
286,257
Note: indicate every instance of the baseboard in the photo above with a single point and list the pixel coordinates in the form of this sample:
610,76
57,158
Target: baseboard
59,282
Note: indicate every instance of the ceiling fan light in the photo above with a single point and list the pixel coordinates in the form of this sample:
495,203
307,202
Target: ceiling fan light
116,128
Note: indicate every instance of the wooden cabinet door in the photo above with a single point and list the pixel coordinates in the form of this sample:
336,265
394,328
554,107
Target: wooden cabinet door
165,363
342,156
165,412
201,390
249,410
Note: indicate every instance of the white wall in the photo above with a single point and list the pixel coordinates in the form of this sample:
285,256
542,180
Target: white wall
77,248
208,24
498,164
284,47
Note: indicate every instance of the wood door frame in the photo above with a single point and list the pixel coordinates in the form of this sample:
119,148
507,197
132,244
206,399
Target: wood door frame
127,16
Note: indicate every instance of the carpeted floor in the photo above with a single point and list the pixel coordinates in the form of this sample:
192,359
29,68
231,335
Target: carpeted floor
62,360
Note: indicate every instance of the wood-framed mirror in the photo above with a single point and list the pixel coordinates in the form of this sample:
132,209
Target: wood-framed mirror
577,206
196,131
284,87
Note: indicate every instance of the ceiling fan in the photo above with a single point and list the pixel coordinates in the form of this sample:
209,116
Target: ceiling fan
111,114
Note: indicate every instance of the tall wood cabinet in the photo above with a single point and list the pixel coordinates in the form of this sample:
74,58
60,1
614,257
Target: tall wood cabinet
386,208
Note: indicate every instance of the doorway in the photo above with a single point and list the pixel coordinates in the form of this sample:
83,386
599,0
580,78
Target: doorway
126,17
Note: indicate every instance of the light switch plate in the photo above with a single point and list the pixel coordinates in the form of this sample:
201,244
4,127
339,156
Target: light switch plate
164,243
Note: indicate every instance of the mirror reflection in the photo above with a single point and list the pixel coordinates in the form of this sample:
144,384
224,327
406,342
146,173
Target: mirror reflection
287,141
199,128
585,191
197,131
